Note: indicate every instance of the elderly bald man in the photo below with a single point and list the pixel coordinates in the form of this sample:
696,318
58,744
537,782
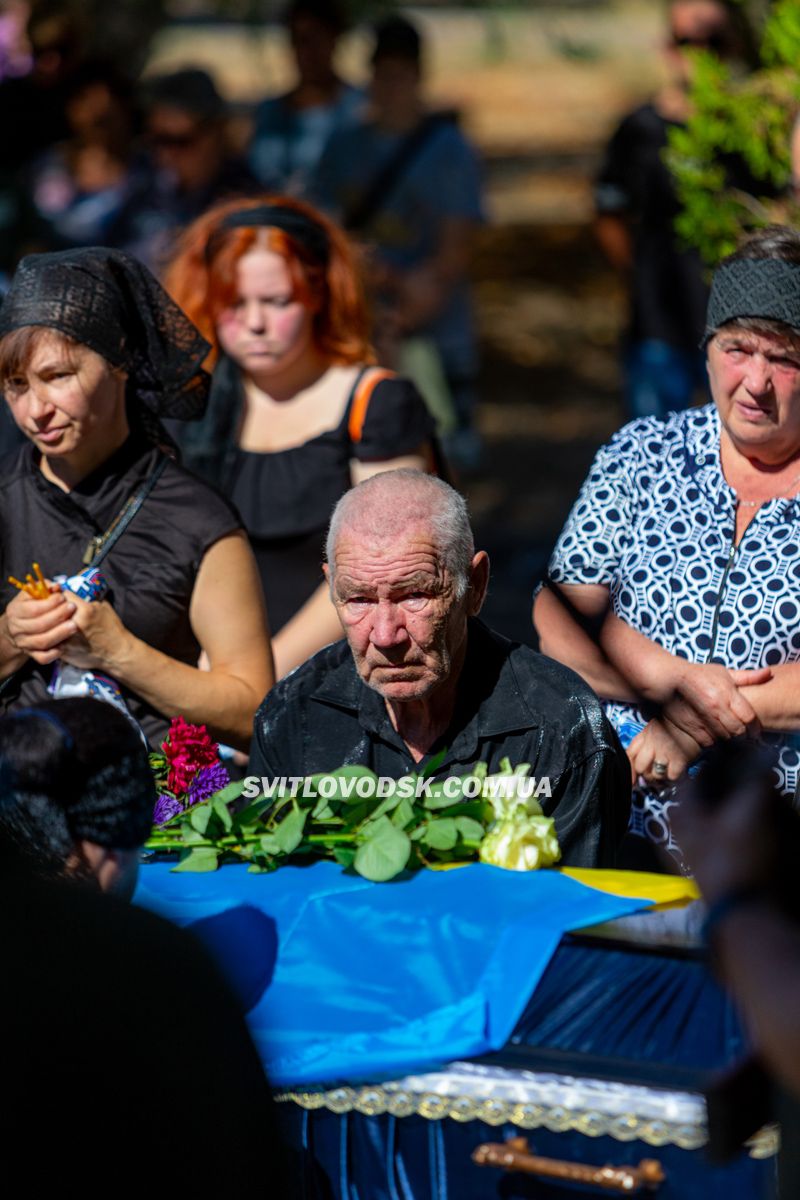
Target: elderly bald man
418,673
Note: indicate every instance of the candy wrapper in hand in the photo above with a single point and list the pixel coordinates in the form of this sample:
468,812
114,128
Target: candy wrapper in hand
89,585
68,681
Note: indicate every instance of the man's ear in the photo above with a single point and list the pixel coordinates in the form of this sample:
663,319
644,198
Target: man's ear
478,583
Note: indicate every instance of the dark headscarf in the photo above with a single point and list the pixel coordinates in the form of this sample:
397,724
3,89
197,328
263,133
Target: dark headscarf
71,770
111,303
754,287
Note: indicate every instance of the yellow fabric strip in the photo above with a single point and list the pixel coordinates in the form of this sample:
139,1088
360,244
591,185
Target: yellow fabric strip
638,885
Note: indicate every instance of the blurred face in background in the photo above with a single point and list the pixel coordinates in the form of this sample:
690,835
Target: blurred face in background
313,45
395,85
189,147
97,115
696,25
55,47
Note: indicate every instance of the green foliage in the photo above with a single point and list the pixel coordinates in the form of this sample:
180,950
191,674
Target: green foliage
378,828
749,119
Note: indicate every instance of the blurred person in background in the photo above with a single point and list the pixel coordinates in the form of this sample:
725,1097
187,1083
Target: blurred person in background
32,112
636,207
406,182
79,186
291,131
186,129
15,56
297,413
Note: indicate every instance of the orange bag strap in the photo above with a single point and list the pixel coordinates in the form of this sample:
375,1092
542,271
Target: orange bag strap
362,394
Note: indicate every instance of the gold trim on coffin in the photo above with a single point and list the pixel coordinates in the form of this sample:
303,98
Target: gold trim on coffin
625,1127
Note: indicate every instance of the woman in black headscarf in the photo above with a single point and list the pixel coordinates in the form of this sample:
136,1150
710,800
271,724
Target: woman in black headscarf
92,354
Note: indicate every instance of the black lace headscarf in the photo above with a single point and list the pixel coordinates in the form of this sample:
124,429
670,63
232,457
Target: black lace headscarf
71,770
111,303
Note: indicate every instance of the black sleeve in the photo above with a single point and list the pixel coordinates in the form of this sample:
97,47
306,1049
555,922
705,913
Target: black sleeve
269,737
397,421
592,805
614,185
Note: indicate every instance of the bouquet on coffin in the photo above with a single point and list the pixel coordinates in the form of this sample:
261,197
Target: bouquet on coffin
376,827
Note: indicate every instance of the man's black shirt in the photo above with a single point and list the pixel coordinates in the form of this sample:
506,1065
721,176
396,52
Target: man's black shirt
511,702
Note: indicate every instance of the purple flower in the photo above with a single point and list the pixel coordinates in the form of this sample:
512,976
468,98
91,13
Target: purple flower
206,782
166,806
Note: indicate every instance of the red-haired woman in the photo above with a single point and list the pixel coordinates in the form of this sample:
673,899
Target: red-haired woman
297,413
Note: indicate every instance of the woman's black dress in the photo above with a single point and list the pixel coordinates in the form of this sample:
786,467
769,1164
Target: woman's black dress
150,571
286,498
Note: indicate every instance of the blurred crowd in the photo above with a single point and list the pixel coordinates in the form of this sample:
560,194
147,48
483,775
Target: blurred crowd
95,157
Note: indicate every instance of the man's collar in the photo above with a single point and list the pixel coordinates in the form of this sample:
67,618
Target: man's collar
489,700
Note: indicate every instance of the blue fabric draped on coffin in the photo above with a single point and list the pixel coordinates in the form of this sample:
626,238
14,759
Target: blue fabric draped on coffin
634,1012
375,980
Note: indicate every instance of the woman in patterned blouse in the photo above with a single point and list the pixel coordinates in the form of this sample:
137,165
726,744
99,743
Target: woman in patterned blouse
674,589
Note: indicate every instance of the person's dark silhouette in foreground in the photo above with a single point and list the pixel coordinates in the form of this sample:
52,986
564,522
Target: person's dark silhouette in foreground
125,1056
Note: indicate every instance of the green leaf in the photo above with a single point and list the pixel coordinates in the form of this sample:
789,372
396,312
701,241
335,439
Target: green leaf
254,811
353,815
220,807
269,844
289,833
404,813
441,834
231,791
199,816
260,868
199,858
345,856
436,797
470,831
433,766
345,780
386,805
190,835
322,811
384,853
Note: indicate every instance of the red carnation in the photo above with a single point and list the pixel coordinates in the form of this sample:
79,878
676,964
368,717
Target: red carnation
187,749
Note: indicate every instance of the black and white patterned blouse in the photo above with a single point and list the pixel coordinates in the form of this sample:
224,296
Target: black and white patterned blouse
655,523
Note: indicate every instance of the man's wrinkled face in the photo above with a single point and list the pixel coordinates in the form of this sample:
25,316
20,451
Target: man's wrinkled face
397,604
